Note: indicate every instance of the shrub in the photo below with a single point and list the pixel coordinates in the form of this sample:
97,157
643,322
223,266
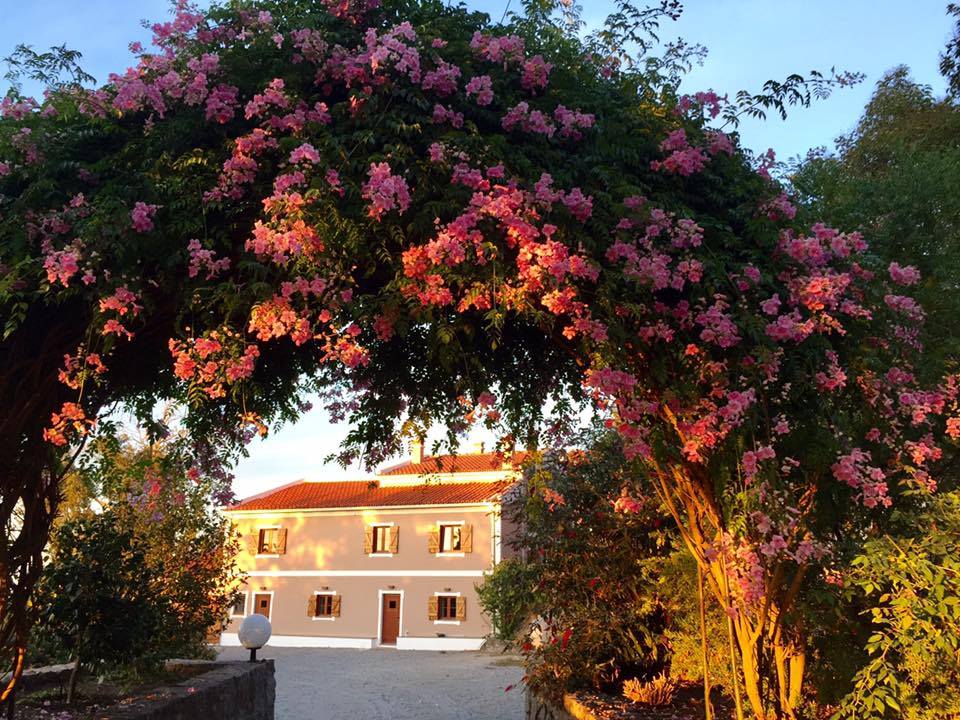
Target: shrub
658,691
506,595
589,579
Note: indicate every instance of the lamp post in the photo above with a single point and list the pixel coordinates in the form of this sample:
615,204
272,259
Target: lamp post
254,632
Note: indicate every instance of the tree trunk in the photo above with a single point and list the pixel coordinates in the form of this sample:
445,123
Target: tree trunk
707,707
74,675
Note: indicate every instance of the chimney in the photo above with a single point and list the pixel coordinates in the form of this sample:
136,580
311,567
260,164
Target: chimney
476,448
416,451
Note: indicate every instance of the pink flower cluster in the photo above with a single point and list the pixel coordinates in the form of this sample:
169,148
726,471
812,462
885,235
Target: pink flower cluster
61,265
536,73
572,122
203,259
482,87
385,191
708,102
904,275
443,80
751,460
214,361
442,114
535,121
854,470
305,153
507,49
142,215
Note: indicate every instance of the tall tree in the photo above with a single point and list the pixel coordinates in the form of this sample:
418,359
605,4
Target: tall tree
896,178
433,218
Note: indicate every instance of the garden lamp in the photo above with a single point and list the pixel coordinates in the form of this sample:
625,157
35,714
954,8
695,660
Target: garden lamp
254,632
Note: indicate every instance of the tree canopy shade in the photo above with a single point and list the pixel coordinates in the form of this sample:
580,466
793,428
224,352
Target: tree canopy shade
432,218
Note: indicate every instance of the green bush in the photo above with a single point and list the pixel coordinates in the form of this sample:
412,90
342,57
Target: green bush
909,587
587,591
507,596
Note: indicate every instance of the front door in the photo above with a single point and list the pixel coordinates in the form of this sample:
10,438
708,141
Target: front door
261,604
390,619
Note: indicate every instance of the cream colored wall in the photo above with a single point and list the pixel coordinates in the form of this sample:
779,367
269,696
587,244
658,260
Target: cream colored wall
359,606
333,541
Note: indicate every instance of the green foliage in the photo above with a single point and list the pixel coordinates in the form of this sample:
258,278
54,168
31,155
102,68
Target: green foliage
507,595
589,578
909,586
171,583
896,178
678,589
98,597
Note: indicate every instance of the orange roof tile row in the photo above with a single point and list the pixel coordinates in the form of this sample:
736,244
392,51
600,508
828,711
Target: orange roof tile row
478,462
353,494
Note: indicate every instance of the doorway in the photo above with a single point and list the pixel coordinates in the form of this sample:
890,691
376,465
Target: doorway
262,604
389,618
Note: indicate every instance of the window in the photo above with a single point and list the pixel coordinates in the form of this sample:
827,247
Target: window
323,606
450,538
239,607
272,541
447,607
381,539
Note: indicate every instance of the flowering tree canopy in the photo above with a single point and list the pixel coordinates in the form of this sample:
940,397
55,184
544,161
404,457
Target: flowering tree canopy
436,219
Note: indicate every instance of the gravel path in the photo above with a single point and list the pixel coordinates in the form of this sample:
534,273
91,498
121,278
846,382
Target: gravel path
333,684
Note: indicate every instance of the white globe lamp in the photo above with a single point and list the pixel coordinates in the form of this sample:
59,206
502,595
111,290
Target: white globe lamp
254,632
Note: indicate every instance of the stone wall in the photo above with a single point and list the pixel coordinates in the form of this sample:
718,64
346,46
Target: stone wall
229,691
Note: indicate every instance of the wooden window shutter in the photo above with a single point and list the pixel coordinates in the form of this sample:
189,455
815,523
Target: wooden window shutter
368,539
461,608
312,606
432,607
336,606
466,538
253,542
433,541
394,539
281,541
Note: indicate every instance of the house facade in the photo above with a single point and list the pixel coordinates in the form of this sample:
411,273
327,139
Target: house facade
388,561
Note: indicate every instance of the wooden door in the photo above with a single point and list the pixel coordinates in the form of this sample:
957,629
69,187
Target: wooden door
390,619
261,604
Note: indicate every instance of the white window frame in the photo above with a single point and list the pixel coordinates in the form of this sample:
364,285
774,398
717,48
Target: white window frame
390,525
380,594
244,613
329,618
438,621
454,553
266,527
273,600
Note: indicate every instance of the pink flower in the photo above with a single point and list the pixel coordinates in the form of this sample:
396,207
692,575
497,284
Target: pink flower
385,191
907,275
771,306
61,265
482,87
142,216
443,80
579,205
536,72
305,153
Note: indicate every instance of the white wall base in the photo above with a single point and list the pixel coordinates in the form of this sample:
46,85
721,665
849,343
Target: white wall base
439,643
232,640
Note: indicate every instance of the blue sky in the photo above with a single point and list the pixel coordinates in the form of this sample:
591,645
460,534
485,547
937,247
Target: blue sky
749,41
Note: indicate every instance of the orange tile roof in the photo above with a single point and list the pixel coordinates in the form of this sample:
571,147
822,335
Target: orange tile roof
478,462
363,493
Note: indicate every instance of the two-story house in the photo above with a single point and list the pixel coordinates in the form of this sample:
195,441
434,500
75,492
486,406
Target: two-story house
387,561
